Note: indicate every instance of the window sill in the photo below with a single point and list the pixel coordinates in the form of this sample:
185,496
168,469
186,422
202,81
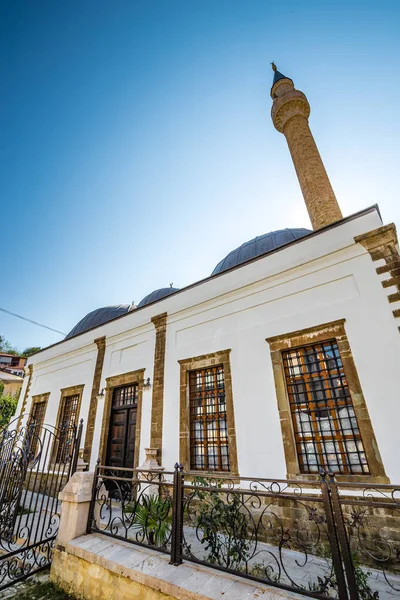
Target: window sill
342,478
190,475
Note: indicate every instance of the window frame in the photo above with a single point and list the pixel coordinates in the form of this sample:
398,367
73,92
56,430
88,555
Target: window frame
76,390
187,365
38,399
306,337
316,402
202,412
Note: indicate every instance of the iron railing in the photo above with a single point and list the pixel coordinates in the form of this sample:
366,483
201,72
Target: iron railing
318,538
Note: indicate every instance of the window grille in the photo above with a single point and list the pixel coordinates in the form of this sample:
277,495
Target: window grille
126,395
36,424
325,426
66,432
209,448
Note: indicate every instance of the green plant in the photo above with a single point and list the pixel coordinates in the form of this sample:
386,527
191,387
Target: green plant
152,519
8,406
364,591
41,591
22,510
223,525
361,576
265,571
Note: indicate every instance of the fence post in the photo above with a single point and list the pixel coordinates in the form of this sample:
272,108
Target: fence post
343,540
332,536
177,516
76,449
93,498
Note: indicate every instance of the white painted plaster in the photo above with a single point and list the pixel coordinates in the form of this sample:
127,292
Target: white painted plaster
322,278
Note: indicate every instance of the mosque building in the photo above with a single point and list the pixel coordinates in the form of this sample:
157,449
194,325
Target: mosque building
284,360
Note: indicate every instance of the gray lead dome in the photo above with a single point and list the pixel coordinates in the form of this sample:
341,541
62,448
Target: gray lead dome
258,246
98,317
157,295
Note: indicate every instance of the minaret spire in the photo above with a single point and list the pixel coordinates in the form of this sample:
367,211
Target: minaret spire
290,112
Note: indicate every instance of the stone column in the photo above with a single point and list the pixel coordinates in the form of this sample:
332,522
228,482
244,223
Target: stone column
160,323
75,498
290,112
101,348
150,464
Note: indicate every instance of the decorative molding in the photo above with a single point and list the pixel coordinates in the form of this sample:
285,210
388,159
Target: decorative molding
293,107
382,243
312,335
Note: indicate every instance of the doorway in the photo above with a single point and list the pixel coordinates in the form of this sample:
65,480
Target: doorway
122,431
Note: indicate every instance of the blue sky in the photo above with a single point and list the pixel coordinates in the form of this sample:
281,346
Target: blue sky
137,149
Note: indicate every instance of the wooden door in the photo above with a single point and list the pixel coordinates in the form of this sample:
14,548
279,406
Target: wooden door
122,432
130,438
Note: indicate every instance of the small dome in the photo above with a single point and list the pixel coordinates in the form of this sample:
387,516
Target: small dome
258,246
157,295
98,317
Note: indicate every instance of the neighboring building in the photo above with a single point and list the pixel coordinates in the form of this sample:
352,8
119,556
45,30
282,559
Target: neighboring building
285,359
12,383
13,364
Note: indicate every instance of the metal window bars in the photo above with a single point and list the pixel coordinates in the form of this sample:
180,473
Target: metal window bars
209,446
324,422
125,395
67,421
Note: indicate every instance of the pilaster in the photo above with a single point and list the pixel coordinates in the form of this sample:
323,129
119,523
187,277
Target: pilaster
157,408
26,395
101,348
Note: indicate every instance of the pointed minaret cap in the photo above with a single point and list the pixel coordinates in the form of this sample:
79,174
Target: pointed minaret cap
277,76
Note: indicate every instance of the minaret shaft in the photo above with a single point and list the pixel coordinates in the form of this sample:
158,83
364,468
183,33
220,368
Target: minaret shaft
318,194
290,112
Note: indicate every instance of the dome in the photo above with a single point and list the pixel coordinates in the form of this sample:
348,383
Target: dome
98,317
258,246
157,295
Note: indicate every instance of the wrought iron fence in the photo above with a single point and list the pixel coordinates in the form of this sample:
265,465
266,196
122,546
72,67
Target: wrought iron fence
30,481
317,538
133,505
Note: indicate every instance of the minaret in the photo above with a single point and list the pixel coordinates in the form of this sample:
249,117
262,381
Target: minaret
290,112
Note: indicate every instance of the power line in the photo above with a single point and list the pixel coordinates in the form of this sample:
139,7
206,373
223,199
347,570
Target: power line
30,321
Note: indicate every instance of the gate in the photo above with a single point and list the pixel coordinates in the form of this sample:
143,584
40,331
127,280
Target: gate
36,461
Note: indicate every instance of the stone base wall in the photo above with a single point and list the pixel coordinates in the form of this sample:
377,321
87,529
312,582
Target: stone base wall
373,532
46,483
90,581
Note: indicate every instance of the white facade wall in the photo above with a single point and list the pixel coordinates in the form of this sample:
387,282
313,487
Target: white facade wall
125,352
320,279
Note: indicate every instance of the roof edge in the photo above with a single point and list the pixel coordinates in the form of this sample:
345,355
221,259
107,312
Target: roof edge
353,217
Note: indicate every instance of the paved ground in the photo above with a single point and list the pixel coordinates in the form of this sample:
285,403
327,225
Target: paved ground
24,587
